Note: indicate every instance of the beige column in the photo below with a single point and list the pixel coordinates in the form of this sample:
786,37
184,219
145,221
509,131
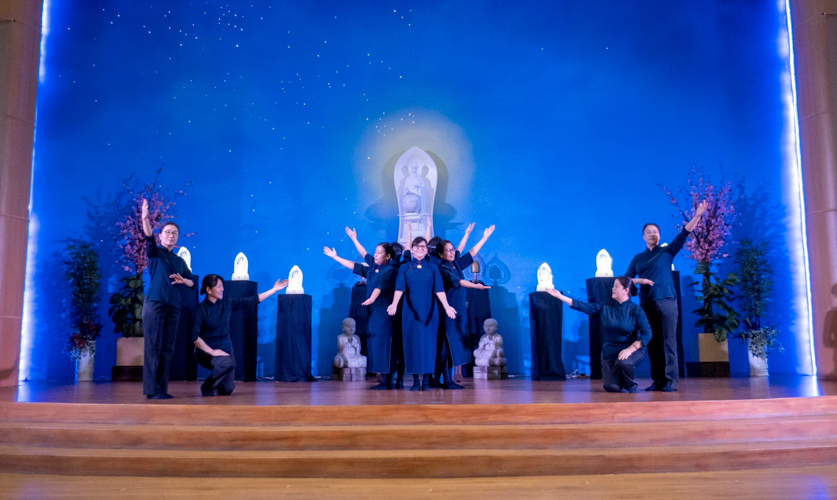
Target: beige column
20,41
814,24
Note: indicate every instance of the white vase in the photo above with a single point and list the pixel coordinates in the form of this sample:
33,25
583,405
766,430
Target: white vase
758,364
84,364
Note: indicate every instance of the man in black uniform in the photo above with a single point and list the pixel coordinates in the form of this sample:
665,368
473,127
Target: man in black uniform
161,310
658,299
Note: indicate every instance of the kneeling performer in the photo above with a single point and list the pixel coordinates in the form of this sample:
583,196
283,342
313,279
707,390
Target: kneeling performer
211,333
625,333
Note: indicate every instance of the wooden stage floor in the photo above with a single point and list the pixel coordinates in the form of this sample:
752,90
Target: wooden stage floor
476,392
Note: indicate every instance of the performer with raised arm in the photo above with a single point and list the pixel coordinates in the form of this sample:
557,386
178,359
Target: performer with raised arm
420,283
625,333
453,346
380,275
161,310
658,299
211,332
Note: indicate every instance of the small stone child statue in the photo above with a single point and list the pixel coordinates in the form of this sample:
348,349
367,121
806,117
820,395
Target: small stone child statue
348,363
489,358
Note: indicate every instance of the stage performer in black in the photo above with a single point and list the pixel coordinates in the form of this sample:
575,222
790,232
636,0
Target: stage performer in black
211,333
380,277
453,345
420,283
625,334
161,310
658,299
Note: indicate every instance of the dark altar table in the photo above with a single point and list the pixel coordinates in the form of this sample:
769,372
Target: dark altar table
244,329
293,338
545,324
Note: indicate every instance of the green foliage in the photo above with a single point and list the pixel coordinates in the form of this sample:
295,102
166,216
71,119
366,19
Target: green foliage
126,307
81,269
716,313
754,291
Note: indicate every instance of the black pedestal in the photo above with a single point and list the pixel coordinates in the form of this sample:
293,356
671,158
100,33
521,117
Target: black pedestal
244,329
599,291
479,310
293,339
184,366
360,314
545,323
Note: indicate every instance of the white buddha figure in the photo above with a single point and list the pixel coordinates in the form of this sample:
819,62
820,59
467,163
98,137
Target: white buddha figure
348,348
186,255
295,281
490,351
544,277
240,268
604,264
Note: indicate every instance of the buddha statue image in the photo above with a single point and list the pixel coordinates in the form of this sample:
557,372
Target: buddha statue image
295,281
348,347
489,357
544,277
186,255
604,264
240,265
415,179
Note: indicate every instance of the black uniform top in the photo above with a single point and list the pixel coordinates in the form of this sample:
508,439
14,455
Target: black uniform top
211,322
382,277
655,265
162,263
622,324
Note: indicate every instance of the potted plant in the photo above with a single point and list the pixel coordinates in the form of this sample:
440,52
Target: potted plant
756,284
126,304
717,317
81,269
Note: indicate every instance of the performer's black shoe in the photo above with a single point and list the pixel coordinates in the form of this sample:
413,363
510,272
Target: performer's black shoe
425,382
668,388
385,385
159,395
632,389
416,384
653,387
453,386
399,384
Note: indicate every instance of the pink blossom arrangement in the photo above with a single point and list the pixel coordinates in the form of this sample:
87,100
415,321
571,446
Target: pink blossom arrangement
129,233
713,230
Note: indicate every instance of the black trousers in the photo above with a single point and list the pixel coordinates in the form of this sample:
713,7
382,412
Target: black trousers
662,350
222,379
159,327
618,374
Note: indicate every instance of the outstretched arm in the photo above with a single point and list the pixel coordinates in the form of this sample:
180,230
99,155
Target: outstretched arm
468,284
372,298
451,312
692,224
352,233
333,254
461,246
146,226
560,296
279,285
474,251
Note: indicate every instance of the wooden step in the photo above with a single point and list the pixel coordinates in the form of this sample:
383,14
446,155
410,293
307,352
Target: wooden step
415,463
168,413
412,437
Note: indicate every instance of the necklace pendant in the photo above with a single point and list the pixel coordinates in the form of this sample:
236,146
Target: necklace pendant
376,270
418,266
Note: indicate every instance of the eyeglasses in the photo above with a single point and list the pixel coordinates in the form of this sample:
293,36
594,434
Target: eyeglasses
451,250
171,233
421,246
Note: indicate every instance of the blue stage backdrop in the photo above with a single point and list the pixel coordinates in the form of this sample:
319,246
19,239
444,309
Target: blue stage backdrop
553,120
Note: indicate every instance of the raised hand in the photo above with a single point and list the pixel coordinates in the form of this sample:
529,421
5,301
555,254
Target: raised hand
144,208
488,231
352,233
280,284
178,279
470,228
700,209
330,252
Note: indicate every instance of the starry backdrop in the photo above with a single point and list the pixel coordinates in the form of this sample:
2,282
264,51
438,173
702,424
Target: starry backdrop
553,120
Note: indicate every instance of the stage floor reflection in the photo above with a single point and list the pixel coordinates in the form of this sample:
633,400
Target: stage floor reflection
334,393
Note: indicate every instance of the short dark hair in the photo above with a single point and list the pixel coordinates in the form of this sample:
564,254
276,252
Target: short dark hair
417,240
170,223
628,283
209,281
387,249
397,248
650,224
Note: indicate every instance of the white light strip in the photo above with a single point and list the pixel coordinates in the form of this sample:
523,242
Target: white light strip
793,122
44,33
